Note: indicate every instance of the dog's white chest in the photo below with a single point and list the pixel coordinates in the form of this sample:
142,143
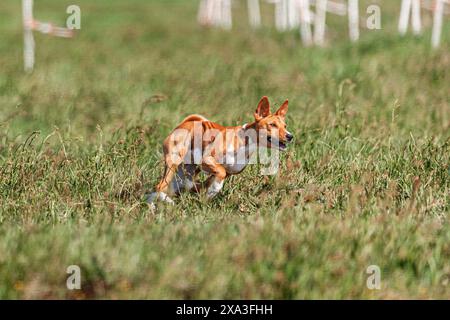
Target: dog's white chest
234,168
236,160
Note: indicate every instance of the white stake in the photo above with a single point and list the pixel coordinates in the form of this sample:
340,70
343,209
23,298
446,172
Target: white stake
404,16
217,12
353,19
254,13
292,14
28,50
209,13
319,22
305,22
30,24
227,22
416,22
281,15
410,7
437,23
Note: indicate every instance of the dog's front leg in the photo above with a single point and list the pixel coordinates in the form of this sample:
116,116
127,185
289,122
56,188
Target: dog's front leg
215,187
215,182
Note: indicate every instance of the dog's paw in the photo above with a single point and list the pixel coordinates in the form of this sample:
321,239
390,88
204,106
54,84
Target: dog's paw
214,189
158,196
152,207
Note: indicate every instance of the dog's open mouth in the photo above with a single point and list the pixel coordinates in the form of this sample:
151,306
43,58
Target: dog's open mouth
281,145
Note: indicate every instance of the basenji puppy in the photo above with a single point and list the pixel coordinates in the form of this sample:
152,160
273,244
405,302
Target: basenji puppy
198,144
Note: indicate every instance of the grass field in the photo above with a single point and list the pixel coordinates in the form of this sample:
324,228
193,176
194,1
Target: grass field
366,182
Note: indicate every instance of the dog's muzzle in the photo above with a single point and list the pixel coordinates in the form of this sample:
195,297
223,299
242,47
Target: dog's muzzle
289,137
282,145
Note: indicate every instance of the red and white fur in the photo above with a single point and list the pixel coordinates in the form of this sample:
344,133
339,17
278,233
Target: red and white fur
198,144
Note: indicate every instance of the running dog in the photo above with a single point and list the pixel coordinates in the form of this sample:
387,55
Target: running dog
198,144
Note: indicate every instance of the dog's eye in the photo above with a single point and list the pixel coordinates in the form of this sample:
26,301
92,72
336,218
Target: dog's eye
273,125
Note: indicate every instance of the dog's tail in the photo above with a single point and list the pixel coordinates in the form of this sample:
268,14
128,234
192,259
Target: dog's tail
194,117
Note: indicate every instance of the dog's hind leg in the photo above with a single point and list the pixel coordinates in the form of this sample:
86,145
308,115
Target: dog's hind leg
175,149
184,180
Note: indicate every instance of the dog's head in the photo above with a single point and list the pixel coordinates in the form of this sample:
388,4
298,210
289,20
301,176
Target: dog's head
272,126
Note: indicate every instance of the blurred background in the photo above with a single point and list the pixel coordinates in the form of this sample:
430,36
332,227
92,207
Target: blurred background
128,52
365,182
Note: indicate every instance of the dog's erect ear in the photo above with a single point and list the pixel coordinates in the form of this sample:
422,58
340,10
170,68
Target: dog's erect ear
282,110
263,109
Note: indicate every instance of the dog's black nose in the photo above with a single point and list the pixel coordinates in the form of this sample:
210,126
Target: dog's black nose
289,137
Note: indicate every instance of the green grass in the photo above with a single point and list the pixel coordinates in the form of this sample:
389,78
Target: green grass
366,182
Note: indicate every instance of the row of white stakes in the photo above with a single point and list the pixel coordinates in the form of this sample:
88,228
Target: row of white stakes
30,25
411,10
291,14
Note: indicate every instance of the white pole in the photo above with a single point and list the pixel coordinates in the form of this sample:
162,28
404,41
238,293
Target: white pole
227,21
404,16
319,22
217,12
305,20
416,23
353,19
292,14
254,13
437,23
281,15
28,49
210,12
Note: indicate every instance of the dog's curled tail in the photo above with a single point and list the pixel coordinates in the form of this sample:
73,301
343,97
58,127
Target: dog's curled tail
194,117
